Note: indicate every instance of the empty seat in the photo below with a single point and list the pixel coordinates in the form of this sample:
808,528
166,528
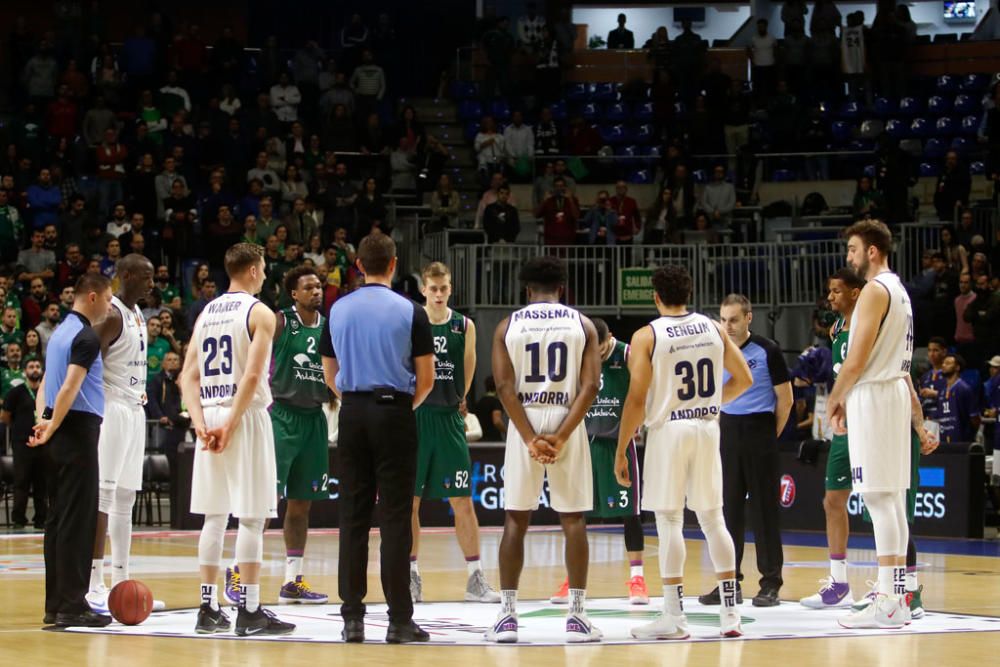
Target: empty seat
851,110
559,112
920,127
783,175
643,113
500,110
969,126
628,151
614,134
977,168
965,104
641,176
934,148
938,105
869,171
928,169
841,131
945,127
885,107
960,145
871,128
616,113
464,90
644,134
470,110
975,83
576,92
910,106
590,112
602,92
896,129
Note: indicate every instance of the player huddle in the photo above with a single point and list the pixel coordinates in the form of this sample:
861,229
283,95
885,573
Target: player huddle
575,398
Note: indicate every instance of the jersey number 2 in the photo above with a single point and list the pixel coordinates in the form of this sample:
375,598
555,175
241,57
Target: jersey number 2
222,347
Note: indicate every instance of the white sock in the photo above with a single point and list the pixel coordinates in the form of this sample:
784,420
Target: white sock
885,579
250,597
635,571
577,598
473,566
209,595
96,573
673,599
508,601
293,567
911,581
413,566
727,593
120,537
838,570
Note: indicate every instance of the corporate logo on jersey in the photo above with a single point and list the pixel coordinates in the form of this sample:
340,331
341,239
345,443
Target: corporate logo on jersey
787,497
306,369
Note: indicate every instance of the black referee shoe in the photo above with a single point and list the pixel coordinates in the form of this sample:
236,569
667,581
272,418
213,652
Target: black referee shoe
404,633
211,621
714,599
85,619
768,597
260,622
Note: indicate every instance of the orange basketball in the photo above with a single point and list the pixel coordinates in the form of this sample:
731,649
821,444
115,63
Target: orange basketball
130,602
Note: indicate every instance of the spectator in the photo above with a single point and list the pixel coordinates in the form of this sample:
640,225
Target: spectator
548,68
32,305
164,184
736,120
762,61
718,199
293,188
72,267
339,133
51,317
795,56
60,121
119,222
44,201
825,19
313,250
531,29
682,188
339,93
341,196
853,55
793,14
263,116
11,375
9,332
157,348
404,172
368,84
621,37
629,220
109,263
353,36
660,224
490,150
170,295
266,222
173,96
984,316
35,262
952,189
688,62
285,99
111,157
600,221
500,219
498,45
965,338
956,257
97,121
164,405
658,50
11,229
966,229
490,413
370,209
582,138
519,142
560,213
31,464
32,346
40,74
958,409
444,203
868,202
300,222
205,294
250,233
547,134
221,233
156,122
491,195
266,175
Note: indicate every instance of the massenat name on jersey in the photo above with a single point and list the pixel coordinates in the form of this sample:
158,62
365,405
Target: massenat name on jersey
553,314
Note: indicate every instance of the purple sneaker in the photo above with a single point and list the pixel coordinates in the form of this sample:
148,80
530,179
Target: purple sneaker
298,592
831,594
232,588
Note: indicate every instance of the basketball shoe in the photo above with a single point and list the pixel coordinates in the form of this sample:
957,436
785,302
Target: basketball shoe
868,598
637,592
477,589
580,630
831,594
885,611
729,623
299,592
665,626
211,621
504,630
98,599
916,604
562,595
260,622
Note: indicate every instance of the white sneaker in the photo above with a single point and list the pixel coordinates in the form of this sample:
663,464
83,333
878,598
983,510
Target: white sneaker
159,605
869,597
580,630
479,590
504,630
665,626
98,599
885,612
832,594
729,623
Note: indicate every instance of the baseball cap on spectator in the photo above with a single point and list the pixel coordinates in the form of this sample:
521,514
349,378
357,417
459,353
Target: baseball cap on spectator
995,361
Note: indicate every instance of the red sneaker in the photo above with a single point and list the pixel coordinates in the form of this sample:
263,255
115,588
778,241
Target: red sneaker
637,591
562,595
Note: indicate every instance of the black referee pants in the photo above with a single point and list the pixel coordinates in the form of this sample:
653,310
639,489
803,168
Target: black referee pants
72,521
31,473
750,467
377,447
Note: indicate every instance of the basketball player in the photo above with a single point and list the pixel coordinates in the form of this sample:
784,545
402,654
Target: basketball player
872,394
299,423
844,289
225,390
443,463
547,365
678,388
122,445
611,499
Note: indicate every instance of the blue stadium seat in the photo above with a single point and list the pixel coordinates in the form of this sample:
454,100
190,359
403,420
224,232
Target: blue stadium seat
910,106
699,176
946,83
643,113
945,127
841,131
851,110
643,134
885,107
614,134
653,154
977,168
590,112
559,112
928,169
500,110
970,126
938,105
680,108
617,113
869,171
934,149
825,110
960,145
975,83
965,104
576,92
630,150
471,130
464,90
861,145
897,129
641,177
871,128
783,176
602,92
920,127
470,110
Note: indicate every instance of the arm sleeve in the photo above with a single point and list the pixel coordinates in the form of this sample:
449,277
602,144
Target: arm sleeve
326,342
776,365
421,339
85,348
10,403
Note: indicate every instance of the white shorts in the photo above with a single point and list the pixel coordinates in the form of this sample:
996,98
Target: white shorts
122,445
682,462
878,436
242,480
571,481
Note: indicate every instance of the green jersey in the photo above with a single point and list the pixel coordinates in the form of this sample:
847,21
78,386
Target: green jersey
168,294
449,362
155,351
604,416
296,367
10,378
840,336
11,226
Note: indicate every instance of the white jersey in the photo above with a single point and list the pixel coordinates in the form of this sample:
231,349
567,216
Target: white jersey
125,361
687,370
892,353
222,339
545,342
852,49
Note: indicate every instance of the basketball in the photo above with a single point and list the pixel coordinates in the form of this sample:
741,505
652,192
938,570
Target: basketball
130,602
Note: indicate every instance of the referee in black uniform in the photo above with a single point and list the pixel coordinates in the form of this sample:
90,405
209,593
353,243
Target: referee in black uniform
749,427
378,356
71,404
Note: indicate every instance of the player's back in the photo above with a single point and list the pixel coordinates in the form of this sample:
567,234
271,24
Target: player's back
125,360
222,339
687,363
892,353
545,342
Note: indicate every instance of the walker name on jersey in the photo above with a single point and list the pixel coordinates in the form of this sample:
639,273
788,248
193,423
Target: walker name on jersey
218,391
216,308
684,330
554,314
543,398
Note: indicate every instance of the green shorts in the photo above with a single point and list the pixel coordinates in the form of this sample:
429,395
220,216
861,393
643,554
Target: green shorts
911,493
443,462
838,465
302,452
611,499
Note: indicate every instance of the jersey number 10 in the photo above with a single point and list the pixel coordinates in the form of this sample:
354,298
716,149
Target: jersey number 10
556,355
222,348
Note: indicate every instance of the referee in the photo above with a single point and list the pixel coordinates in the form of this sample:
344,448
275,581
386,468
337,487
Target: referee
750,426
71,401
378,356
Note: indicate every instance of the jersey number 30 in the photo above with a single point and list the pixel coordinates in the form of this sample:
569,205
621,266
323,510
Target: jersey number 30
222,348
696,379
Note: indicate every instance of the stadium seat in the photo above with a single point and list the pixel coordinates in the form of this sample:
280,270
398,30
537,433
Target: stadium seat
851,110
934,149
920,127
602,92
643,134
869,171
965,104
885,107
500,110
470,110
861,145
938,105
643,113
910,106
783,176
946,83
975,83
641,177
464,90
897,129
977,168
841,131
576,92
928,169
945,127
631,150
559,112
471,130
653,153
680,108
871,128
616,113
613,134
590,112
969,126
960,145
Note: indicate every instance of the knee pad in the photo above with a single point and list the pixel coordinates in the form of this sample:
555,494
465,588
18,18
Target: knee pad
888,512
123,503
105,500
250,541
210,541
720,542
670,529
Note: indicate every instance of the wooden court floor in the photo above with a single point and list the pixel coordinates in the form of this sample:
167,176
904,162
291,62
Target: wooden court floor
166,562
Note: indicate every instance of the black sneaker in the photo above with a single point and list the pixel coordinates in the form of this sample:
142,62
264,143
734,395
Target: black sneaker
211,621
260,622
85,619
404,633
768,597
714,599
50,618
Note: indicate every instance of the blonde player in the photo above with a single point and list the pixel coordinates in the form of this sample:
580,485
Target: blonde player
678,388
547,365
225,388
872,396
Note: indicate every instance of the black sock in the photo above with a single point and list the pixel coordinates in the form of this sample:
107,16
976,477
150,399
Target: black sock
634,537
